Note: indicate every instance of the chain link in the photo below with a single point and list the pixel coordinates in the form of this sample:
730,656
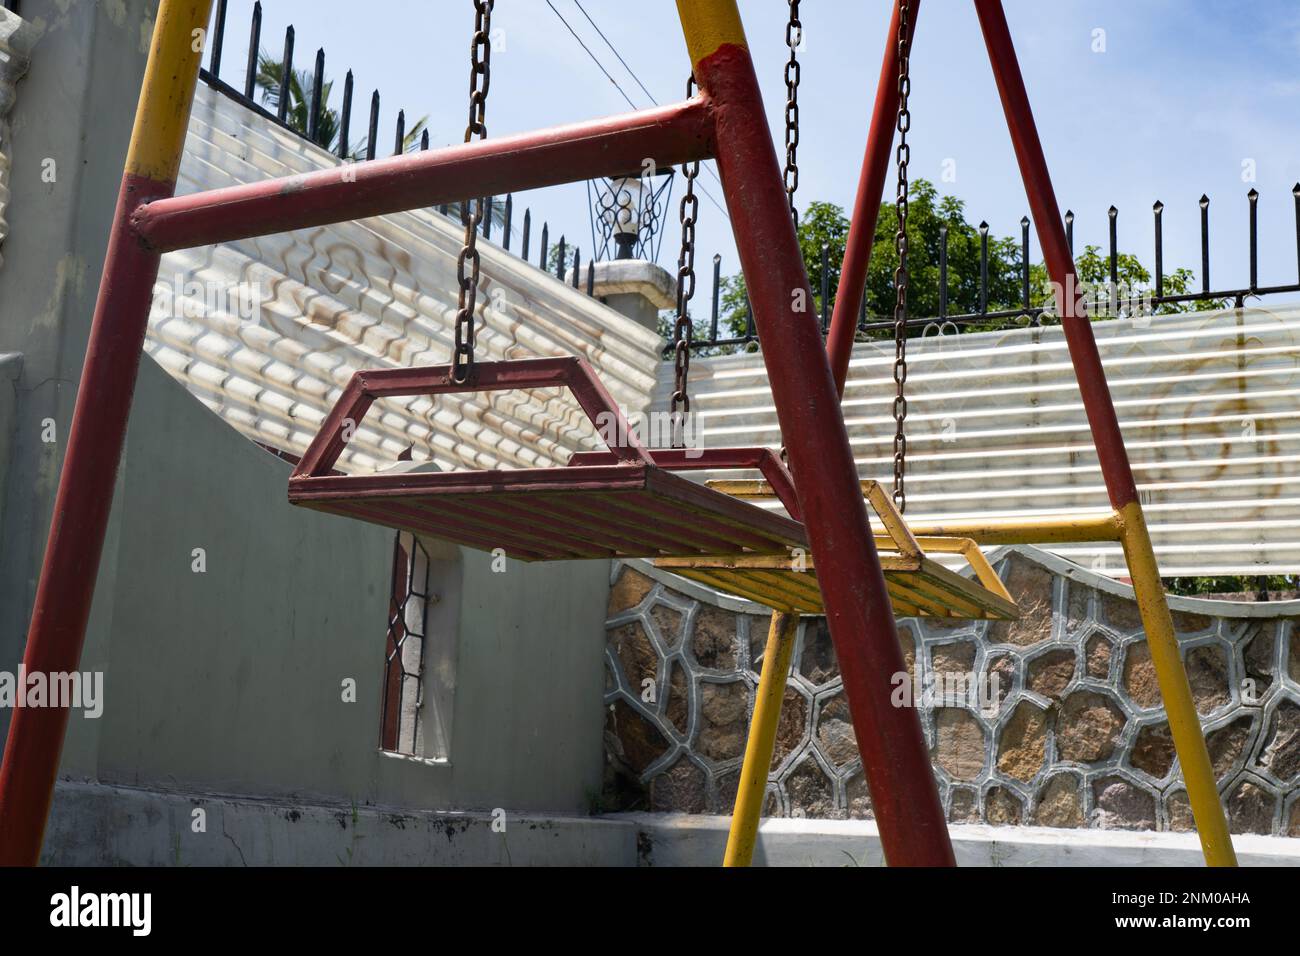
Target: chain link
903,156
793,37
688,211
471,210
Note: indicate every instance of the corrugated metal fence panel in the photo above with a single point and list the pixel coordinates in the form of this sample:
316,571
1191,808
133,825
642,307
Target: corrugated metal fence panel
370,294
1209,404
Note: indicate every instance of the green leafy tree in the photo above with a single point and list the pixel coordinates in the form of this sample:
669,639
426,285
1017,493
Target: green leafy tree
1093,269
929,215
1259,584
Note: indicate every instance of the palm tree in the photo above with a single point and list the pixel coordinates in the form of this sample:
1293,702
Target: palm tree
269,73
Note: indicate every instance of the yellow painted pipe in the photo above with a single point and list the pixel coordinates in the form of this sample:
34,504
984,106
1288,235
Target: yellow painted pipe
708,25
762,740
163,111
1052,529
1184,724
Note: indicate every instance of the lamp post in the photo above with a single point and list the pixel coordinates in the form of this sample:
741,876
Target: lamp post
624,216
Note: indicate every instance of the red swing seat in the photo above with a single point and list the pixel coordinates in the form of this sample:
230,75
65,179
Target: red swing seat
622,503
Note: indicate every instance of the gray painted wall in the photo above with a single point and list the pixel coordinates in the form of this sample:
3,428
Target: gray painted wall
86,69
230,680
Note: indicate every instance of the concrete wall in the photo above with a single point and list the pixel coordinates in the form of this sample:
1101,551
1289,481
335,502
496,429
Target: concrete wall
74,108
96,825
1073,736
230,679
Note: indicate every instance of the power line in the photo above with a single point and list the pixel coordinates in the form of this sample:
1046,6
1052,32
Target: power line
632,73
590,54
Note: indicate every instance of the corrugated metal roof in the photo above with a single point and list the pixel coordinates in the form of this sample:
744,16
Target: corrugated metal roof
1208,404
371,294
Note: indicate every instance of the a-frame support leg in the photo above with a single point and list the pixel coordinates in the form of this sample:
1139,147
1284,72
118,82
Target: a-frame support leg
895,757
839,346
743,836
81,506
1184,725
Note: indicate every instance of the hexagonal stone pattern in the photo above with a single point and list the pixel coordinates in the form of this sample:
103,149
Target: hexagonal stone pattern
1251,807
724,724
961,743
1060,804
1123,805
835,737
963,805
1031,587
1089,727
1228,744
1140,683
713,641
1153,751
1282,751
1097,655
1050,673
1022,747
1207,672
810,789
1074,736
1003,807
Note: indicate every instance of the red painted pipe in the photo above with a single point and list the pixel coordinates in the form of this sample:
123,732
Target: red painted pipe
668,135
81,509
894,754
1056,252
866,207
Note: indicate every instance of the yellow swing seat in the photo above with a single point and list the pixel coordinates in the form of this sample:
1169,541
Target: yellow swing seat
918,585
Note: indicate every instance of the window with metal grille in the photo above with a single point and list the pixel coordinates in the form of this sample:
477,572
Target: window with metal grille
401,715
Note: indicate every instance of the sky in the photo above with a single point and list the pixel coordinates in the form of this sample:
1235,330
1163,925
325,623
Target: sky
1135,100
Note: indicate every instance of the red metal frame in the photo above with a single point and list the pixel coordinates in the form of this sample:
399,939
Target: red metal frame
678,133
1046,214
763,460
866,206
621,502
726,122
859,613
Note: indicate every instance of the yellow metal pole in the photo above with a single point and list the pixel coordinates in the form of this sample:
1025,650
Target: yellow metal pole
1184,724
171,74
1053,529
762,740
99,421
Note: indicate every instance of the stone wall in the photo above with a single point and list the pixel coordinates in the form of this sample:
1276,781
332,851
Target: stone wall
1075,736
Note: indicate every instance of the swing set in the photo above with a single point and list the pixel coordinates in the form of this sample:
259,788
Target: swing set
626,501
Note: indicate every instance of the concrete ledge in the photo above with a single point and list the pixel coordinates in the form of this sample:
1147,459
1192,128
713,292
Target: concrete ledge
688,840
631,277
100,825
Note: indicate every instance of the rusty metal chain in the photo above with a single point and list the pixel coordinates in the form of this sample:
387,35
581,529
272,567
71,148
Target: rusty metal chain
790,175
471,210
793,37
688,211
903,156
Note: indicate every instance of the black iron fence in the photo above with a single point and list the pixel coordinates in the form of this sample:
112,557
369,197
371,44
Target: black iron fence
1110,300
